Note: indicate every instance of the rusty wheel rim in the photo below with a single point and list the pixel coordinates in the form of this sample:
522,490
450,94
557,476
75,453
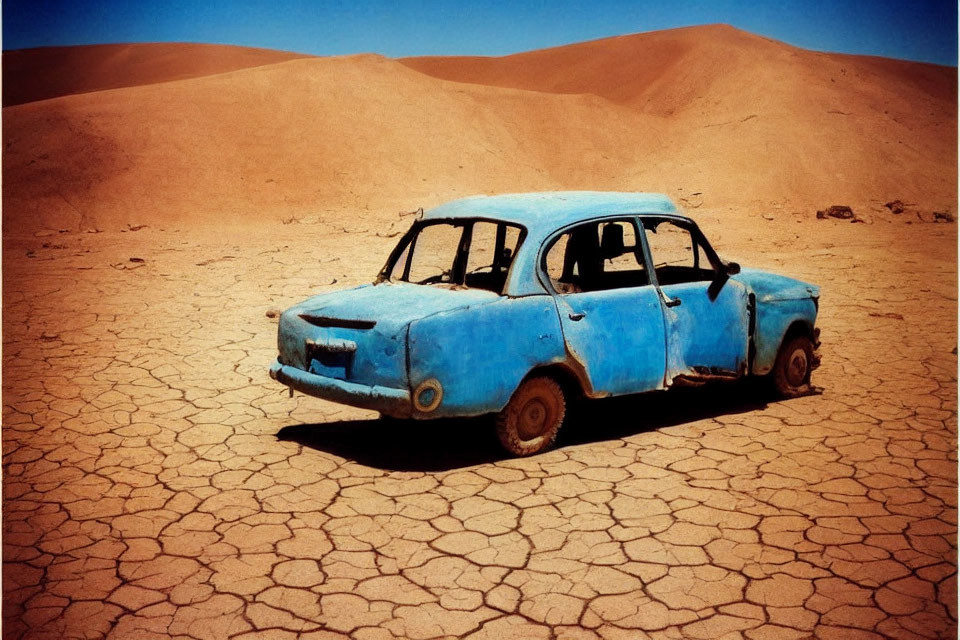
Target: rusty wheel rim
797,368
534,419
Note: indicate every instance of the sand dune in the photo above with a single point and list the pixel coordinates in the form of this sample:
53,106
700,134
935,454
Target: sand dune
693,68
299,137
740,120
49,72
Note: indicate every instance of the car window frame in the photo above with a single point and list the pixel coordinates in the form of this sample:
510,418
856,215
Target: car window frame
408,240
547,245
718,265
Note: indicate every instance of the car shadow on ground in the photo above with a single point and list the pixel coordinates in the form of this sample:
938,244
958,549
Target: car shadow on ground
446,444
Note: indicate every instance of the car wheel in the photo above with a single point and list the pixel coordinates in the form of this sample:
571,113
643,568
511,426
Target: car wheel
791,373
530,421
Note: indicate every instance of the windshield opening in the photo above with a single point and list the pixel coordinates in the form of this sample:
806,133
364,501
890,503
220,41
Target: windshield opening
471,253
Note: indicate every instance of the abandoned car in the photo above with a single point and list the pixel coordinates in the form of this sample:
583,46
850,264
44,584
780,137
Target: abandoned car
516,304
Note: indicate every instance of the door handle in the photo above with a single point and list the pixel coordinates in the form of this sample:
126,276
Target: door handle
576,317
675,302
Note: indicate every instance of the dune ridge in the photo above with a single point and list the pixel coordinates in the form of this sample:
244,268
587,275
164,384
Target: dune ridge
664,72
705,114
50,72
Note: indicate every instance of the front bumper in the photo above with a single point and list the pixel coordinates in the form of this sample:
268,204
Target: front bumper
393,402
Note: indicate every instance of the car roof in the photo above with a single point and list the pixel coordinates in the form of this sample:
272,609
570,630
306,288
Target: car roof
543,212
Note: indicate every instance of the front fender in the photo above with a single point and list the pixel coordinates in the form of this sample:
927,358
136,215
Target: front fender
480,354
774,318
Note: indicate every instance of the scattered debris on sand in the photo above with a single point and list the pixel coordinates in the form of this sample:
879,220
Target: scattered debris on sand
896,206
935,216
841,212
694,201
204,263
943,216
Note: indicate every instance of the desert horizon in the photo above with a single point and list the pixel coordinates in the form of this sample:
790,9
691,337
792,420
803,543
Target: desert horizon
164,202
194,134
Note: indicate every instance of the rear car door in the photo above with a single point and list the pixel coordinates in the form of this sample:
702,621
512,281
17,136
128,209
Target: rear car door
706,314
609,309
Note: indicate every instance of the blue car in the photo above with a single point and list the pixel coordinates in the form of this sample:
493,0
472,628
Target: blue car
514,305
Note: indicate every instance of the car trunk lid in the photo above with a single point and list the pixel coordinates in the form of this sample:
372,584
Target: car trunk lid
359,335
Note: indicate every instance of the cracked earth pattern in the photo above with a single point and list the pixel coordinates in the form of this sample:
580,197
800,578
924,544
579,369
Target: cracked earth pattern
158,484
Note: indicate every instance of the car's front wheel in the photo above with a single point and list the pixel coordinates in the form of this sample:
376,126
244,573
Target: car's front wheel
795,361
530,421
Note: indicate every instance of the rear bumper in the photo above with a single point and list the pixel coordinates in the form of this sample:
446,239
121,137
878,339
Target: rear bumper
393,402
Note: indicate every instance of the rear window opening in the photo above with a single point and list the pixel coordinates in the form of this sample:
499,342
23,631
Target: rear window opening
464,253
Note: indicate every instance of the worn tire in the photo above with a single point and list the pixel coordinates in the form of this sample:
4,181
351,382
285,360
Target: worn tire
530,421
791,372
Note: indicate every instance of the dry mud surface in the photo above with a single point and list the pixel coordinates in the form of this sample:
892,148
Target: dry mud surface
158,484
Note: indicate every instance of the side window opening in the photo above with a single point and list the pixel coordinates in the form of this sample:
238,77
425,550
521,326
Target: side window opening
596,257
492,247
677,255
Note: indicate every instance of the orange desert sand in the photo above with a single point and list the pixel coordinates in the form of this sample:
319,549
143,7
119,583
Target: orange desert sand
160,199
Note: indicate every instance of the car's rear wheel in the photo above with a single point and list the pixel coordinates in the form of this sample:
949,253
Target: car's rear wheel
530,421
791,373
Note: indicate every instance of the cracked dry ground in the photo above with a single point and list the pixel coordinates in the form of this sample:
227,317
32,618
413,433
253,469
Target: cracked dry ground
158,484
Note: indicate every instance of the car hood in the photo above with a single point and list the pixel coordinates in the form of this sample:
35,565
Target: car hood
769,287
388,304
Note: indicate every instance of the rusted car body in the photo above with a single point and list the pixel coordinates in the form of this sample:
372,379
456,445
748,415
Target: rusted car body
590,293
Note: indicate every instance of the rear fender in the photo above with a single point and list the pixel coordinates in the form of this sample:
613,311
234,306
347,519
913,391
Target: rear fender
479,355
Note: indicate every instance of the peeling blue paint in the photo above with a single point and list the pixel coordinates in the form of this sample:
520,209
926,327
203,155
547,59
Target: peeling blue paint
707,336
618,338
462,351
781,302
481,354
395,402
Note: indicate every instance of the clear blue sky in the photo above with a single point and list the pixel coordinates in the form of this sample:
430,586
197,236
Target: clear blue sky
912,29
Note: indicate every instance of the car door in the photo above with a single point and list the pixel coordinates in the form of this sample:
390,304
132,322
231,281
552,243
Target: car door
706,314
609,309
